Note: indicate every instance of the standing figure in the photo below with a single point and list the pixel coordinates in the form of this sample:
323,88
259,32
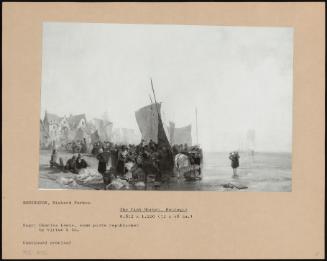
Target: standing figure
114,158
155,158
80,162
234,157
54,157
84,146
102,166
122,153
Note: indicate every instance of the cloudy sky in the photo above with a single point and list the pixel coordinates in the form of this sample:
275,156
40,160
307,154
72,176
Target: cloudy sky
238,78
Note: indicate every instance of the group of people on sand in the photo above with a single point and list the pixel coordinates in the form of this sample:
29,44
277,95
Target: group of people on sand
148,159
194,153
77,146
74,164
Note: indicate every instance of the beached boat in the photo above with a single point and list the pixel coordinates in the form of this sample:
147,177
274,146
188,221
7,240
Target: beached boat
151,127
149,121
190,167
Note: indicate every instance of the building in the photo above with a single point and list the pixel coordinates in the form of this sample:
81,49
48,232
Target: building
57,127
61,130
104,128
77,121
44,136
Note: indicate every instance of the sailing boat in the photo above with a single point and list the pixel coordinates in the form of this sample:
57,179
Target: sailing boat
188,163
181,135
151,127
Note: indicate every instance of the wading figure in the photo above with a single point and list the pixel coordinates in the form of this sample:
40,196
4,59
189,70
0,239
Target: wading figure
234,157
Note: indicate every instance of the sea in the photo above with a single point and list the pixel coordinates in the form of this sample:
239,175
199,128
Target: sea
263,171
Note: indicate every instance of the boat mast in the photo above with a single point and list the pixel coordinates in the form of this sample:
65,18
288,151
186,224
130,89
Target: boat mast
159,117
152,122
155,100
169,157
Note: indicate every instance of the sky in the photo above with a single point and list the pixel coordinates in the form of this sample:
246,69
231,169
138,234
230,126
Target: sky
238,78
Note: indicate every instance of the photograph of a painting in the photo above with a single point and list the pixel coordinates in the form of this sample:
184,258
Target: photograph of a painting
166,107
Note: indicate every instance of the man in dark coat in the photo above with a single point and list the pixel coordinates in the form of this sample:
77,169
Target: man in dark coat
71,165
122,153
114,158
234,157
80,162
102,166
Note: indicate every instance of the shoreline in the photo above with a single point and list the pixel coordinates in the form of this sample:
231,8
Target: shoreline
268,172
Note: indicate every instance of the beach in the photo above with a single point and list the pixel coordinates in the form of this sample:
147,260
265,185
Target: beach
265,171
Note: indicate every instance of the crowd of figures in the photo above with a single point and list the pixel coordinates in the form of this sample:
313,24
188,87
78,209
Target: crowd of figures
142,161
74,164
148,160
78,146
138,163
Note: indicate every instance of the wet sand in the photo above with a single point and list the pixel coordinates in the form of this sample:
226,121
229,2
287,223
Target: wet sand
263,172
